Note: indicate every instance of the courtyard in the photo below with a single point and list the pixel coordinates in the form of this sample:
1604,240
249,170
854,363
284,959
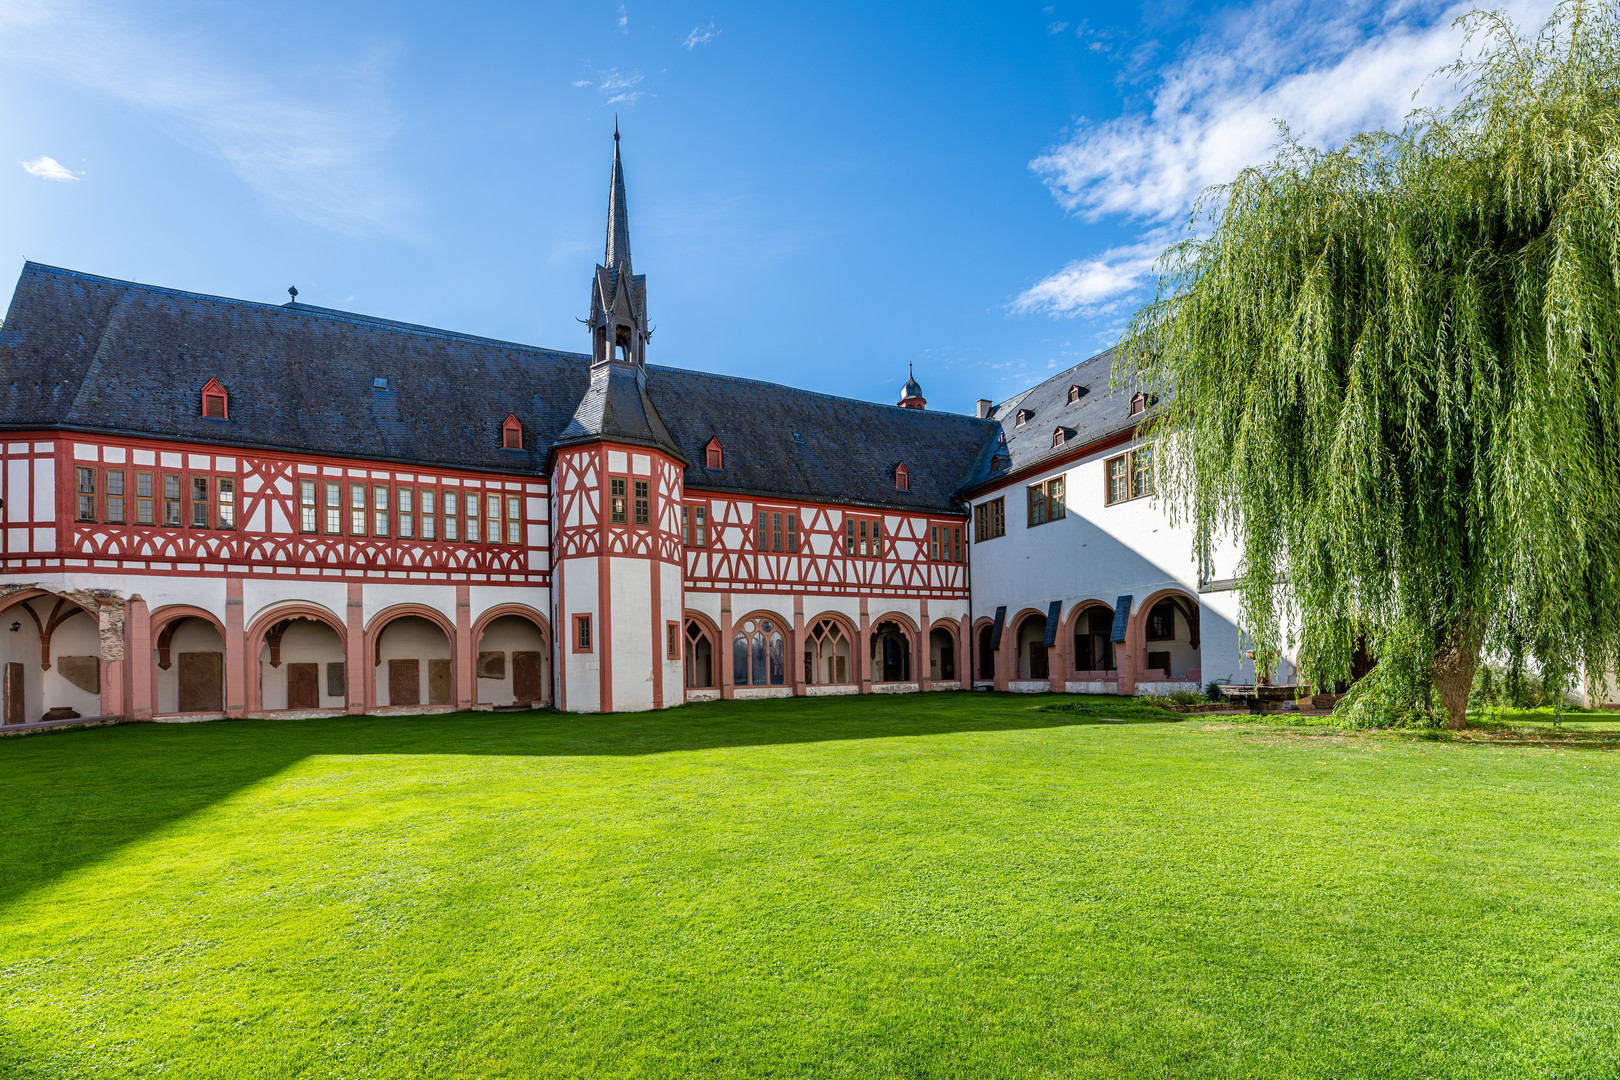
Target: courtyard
942,885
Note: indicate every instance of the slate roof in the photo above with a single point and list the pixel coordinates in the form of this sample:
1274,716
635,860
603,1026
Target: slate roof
86,353
1098,414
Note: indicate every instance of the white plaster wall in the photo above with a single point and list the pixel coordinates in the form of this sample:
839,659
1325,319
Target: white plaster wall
382,596
632,636
581,671
192,635
704,603
816,606
483,597
207,593
405,638
509,634
259,595
778,604
305,642
671,602
42,689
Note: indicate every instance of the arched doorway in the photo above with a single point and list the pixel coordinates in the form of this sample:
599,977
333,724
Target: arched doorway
411,661
512,665
301,663
758,652
829,658
986,656
941,654
700,655
1093,642
1032,652
50,657
891,651
189,646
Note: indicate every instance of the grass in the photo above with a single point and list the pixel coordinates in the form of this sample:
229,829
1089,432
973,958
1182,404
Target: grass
922,886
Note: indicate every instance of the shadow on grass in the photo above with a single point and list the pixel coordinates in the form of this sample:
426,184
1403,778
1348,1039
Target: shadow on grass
70,798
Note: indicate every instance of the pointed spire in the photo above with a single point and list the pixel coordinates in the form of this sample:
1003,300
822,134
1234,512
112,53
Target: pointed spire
618,228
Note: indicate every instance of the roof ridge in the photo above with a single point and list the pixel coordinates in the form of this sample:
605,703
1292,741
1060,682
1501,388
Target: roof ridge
818,393
337,313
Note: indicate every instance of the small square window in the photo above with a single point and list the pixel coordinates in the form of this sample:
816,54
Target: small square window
582,633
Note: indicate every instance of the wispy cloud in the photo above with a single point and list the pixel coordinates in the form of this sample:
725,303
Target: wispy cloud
616,87
700,35
307,142
624,20
48,168
1326,70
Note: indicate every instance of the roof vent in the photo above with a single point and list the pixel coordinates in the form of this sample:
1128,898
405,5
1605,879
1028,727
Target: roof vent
379,383
797,437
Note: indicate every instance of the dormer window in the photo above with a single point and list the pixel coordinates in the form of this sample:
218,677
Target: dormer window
1058,436
511,433
215,401
711,452
1139,402
1022,418
1074,393
902,479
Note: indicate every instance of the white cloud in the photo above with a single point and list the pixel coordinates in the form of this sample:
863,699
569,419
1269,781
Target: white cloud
1326,70
617,87
306,141
700,35
624,20
1053,29
48,168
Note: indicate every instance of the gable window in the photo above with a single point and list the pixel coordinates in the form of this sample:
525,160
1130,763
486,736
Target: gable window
695,525
643,502
712,453
1139,402
1130,476
511,434
1022,417
1058,436
616,500
990,520
1046,501
1074,394
86,490
215,402
902,479
582,633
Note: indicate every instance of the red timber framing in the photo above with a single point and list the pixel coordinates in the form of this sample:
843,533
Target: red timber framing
732,561
215,510
586,528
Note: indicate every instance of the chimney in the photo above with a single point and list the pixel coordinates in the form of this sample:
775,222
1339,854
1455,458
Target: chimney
986,406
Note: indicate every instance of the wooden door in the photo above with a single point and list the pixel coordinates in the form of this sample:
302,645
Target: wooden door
526,676
202,681
404,682
303,686
14,694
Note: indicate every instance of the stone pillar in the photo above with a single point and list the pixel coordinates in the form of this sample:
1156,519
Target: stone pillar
1128,655
796,656
964,653
235,650
138,659
1006,657
727,689
925,647
462,649
110,616
357,665
864,661
1059,659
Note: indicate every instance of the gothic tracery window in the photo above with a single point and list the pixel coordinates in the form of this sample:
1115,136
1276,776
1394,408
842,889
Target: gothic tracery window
826,654
758,654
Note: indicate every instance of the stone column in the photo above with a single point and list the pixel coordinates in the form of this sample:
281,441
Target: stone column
462,649
356,665
925,647
964,653
139,701
865,659
727,689
235,650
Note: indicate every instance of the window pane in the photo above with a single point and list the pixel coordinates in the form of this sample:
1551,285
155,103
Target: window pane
472,530
199,502
616,492
849,537
778,660
643,503
793,533
756,675
739,660
702,526
171,500
761,540
226,489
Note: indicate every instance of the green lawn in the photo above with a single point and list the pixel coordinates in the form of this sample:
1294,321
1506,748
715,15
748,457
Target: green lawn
940,886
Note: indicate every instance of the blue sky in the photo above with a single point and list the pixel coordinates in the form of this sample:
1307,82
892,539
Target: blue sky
819,193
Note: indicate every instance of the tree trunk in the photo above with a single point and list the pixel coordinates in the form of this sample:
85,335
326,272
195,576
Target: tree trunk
1455,657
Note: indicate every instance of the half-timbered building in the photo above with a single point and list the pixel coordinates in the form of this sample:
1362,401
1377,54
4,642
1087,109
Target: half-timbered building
216,507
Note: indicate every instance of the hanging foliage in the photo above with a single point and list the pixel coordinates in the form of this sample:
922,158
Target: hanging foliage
1391,374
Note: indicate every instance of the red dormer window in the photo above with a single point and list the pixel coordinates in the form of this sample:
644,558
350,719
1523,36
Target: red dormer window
902,479
1022,418
1139,403
511,434
215,401
712,452
1074,394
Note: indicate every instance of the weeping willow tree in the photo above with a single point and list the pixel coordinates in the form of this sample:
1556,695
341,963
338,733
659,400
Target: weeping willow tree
1391,374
